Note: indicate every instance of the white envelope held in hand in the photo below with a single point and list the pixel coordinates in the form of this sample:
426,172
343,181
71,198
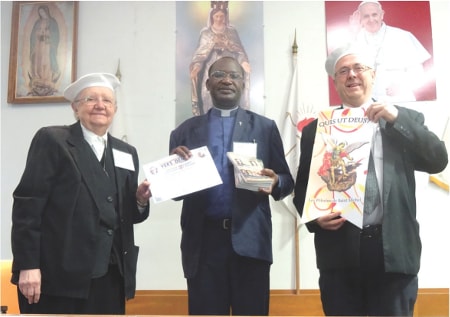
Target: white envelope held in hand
173,176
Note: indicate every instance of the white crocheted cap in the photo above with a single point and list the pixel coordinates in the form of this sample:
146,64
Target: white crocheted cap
365,56
91,80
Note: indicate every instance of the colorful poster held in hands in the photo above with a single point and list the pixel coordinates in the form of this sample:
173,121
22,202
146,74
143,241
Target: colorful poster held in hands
339,165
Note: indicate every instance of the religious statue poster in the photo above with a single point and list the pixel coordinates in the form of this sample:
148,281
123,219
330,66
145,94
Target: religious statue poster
398,33
208,30
339,165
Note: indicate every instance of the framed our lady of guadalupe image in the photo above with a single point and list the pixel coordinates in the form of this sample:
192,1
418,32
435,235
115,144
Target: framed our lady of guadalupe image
43,51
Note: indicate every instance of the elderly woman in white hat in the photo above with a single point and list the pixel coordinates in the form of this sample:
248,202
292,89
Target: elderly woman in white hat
94,101
74,211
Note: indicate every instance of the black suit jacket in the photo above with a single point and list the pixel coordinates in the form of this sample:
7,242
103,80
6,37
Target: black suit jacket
408,146
56,211
251,216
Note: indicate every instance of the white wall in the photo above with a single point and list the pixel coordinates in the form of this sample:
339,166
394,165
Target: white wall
142,35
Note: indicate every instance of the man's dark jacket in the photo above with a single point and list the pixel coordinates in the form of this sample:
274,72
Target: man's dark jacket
251,215
408,146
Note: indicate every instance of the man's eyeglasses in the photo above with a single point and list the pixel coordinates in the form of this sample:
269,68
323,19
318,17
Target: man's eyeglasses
218,74
357,69
91,101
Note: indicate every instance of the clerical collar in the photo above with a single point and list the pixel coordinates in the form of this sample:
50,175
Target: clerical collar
90,136
364,105
224,112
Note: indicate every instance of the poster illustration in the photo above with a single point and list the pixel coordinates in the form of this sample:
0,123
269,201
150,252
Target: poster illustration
207,31
339,165
399,35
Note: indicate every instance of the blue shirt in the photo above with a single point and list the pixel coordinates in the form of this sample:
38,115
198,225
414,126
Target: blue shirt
220,134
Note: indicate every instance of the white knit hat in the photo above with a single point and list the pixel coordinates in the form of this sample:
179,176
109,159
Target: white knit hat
364,54
91,80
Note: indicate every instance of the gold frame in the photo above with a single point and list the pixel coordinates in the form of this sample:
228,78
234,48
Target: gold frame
41,78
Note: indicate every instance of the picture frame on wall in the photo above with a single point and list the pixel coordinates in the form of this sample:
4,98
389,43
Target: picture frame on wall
43,51
403,48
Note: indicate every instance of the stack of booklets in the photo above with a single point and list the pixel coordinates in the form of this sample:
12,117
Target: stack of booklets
247,172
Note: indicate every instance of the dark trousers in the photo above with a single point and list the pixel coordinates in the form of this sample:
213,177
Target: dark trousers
227,283
369,290
106,297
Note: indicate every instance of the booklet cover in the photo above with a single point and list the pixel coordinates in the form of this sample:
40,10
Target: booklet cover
247,172
339,165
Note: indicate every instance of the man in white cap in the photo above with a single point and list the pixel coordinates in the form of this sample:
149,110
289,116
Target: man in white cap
373,271
399,56
74,210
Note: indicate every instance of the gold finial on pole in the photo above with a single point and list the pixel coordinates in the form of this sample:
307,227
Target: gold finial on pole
294,45
118,73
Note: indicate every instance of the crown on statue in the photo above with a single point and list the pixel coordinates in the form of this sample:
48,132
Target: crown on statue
221,5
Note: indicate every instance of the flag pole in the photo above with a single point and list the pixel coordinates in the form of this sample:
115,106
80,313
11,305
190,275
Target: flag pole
118,73
296,237
118,127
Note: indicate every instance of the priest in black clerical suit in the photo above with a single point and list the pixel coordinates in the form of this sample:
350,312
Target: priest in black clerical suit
226,242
